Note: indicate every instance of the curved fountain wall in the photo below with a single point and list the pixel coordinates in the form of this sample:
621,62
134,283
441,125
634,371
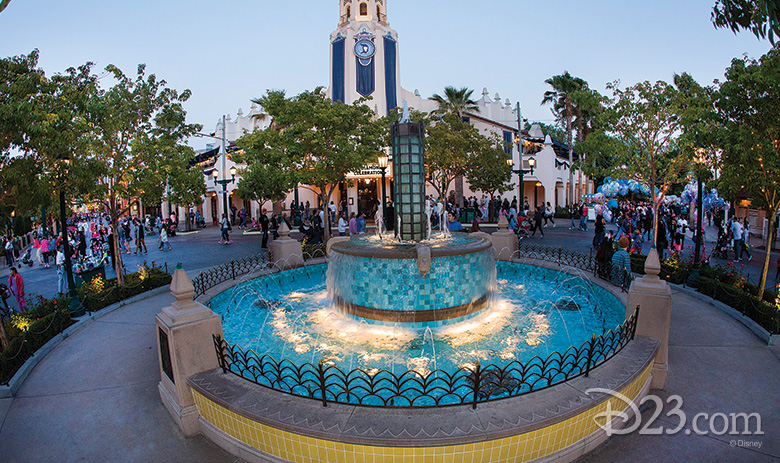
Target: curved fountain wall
385,284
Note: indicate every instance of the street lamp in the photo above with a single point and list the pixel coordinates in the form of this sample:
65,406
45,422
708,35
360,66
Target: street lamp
693,278
383,160
531,162
520,172
224,182
75,308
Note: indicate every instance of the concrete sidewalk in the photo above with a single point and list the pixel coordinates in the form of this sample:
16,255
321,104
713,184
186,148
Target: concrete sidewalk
94,398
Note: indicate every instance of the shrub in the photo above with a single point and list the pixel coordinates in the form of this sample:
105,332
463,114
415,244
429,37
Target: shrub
29,331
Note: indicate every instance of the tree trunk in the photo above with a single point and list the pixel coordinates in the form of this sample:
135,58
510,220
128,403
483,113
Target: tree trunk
767,256
120,277
580,137
459,191
3,337
571,151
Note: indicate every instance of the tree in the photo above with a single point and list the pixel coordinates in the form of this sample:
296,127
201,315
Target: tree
319,141
456,101
4,4
487,170
761,17
564,86
748,103
449,143
138,130
644,122
45,119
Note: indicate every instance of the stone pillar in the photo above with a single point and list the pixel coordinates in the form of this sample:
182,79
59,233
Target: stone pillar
185,347
504,240
286,252
654,298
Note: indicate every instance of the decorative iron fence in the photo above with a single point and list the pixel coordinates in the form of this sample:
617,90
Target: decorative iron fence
586,262
326,382
228,271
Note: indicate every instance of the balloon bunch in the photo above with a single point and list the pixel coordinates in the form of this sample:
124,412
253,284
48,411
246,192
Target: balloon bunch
712,201
614,188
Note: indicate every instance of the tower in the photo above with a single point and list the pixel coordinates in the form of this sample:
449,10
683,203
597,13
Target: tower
364,56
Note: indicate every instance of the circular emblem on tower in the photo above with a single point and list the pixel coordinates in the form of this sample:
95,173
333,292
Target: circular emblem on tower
364,48
364,45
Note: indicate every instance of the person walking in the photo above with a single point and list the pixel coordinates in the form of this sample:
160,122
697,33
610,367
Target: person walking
600,228
225,227
736,234
264,225
43,251
621,263
549,215
9,252
342,226
584,218
353,229
538,218
164,238
140,241
746,238
16,285
59,261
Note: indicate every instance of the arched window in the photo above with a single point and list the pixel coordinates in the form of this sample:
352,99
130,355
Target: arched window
364,9
378,11
349,12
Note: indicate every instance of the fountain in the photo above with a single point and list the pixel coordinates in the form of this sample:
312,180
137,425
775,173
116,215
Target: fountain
416,319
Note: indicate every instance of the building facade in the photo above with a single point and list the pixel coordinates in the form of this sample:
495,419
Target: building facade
365,62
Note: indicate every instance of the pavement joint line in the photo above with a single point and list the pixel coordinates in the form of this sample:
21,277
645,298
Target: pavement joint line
97,389
5,417
123,323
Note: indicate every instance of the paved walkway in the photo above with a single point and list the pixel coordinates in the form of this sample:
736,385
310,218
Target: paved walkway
94,398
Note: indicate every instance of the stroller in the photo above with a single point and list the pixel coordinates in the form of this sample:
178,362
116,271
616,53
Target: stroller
721,249
26,259
524,228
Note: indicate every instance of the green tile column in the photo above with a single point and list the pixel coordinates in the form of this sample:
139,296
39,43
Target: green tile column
409,179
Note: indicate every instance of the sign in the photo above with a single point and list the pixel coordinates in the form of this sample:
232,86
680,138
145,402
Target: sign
369,172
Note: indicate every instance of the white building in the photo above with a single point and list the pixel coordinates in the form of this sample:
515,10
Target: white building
365,62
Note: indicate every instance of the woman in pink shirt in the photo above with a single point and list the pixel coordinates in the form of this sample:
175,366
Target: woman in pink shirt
43,250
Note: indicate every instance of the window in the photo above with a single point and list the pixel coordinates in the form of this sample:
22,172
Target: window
363,9
378,11
349,11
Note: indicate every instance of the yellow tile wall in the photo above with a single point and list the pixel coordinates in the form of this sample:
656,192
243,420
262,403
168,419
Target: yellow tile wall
301,449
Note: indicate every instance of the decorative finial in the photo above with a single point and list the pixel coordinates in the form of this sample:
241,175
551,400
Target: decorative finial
406,117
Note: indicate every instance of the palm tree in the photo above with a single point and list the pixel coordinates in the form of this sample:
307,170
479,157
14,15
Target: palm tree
456,101
564,86
588,104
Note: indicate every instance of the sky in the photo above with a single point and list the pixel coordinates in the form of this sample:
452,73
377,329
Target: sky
227,53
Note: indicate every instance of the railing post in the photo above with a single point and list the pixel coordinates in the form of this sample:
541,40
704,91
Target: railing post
635,322
218,345
321,374
477,381
591,346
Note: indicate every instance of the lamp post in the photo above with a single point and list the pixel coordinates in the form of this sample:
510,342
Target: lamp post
383,160
531,162
693,278
224,182
75,308
521,172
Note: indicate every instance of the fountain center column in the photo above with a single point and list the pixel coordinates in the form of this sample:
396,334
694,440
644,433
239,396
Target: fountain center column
409,177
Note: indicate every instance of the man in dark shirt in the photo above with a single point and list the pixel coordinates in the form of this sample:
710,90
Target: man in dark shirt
264,228
538,218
